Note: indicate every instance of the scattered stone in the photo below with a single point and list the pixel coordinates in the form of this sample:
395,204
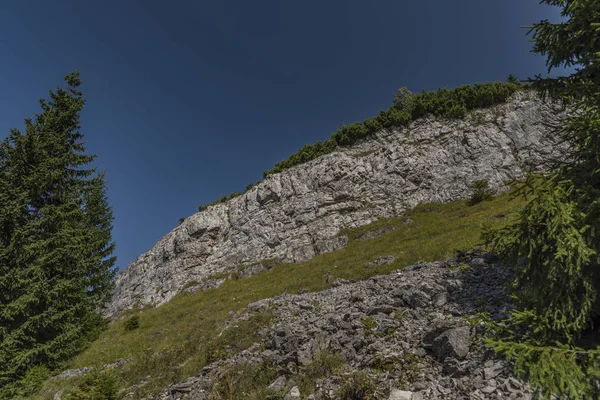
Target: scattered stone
416,298
159,332
376,232
382,324
72,373
278,385
380,262
293,394
492,369
396,394
454,343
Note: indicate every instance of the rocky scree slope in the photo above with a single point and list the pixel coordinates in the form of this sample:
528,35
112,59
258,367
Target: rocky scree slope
293,215
412,332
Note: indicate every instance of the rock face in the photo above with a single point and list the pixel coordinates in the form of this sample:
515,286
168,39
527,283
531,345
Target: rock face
294,215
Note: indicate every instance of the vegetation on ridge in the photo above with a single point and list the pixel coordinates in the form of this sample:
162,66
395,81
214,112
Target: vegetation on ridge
407,107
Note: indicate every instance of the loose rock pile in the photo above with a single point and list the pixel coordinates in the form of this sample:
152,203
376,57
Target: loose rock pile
412,332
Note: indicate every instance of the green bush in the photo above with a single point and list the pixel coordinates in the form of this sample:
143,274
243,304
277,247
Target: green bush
448,103
481,192
132,323
407,107
247,381
358,386
96,385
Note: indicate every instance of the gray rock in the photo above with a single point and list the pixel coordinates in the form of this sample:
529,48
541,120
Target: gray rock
453,343
381,261
72,373
278,385
293,394
492,370
416,298
396,394
417,396
376,334
293,215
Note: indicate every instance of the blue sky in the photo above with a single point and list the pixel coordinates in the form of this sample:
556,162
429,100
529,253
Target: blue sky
190,100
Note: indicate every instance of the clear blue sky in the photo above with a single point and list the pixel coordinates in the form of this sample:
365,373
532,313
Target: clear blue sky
190,100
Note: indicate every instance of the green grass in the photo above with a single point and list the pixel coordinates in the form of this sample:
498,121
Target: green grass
178,339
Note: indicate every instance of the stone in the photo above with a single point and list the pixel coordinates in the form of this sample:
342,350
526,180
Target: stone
278,385
493,370
293,394
296,214
396,394
454,343
415,298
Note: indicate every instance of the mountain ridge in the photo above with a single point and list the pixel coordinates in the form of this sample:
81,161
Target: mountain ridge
295,214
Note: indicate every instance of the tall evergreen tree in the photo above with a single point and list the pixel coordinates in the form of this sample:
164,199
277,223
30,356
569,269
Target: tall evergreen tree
555,240
56,269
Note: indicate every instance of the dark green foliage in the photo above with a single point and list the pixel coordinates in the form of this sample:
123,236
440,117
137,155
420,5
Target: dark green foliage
132,323
223,199
181,220
56,271
555,240
31,382
481,192
512,79
96,385
407,107
404,100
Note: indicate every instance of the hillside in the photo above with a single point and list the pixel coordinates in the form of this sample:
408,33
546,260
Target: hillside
298,213
228,326
199,334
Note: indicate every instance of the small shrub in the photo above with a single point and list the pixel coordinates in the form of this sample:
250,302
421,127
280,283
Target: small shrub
29,384
132,323
399,314
382,365
404,100
247,381
96,385
512,79
358,386
369,325
325,362
481,192
409,364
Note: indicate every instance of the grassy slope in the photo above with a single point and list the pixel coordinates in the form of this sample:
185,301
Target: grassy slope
176,340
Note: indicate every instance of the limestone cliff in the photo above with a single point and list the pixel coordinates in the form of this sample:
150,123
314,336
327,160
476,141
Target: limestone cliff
294,215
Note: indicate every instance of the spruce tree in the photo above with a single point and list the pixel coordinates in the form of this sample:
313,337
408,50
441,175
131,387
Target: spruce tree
56,269
554,242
